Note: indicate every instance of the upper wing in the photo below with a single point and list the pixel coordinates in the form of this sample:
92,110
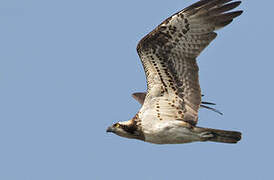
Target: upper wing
169,52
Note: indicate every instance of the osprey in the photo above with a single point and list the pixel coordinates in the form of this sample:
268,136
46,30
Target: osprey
169,111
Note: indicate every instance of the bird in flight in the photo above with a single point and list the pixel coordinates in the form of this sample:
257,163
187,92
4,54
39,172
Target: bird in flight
169,111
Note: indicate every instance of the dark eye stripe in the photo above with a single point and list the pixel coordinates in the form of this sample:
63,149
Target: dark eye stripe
129,129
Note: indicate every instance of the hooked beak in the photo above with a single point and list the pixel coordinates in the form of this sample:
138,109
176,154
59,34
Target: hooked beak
110,129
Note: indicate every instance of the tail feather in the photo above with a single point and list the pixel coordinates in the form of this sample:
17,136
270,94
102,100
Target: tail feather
222,136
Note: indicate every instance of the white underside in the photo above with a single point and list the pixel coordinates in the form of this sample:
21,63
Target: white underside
164,130
169,132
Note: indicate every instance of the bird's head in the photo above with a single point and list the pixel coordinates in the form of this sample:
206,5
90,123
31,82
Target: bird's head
127,129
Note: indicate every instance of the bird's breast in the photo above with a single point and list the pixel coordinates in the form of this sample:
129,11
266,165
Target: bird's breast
168,132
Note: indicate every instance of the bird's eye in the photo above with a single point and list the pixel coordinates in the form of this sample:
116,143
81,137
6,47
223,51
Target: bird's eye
117,125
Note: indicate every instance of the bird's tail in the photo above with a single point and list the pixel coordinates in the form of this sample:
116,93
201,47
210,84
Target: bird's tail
217,135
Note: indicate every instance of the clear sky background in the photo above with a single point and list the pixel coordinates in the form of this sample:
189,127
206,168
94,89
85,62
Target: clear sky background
67,71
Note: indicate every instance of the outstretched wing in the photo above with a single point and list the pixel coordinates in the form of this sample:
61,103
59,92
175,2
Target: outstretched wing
169,52
140,97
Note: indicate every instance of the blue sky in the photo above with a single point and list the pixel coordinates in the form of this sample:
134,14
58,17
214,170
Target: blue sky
67,71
